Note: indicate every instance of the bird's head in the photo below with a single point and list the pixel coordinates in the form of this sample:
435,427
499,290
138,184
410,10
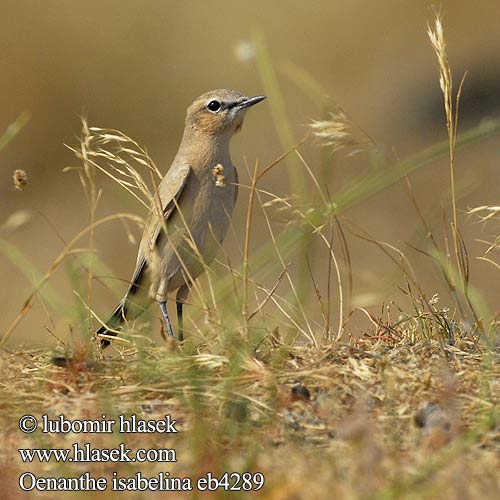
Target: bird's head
219,111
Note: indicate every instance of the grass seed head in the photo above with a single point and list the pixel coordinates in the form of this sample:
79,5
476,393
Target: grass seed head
218,173
20,179
339,132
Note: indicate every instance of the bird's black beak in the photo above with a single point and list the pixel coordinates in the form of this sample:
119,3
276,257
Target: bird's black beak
246,102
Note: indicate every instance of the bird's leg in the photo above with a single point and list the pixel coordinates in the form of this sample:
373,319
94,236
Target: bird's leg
166,319
180,324
181,297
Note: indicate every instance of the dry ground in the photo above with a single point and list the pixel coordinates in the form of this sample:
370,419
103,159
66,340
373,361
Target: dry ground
390,415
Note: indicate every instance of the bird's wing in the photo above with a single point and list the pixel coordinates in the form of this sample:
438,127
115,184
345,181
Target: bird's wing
171,187
169,190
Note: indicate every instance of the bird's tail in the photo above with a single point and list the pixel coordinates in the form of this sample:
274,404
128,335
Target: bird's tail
115,320
134,303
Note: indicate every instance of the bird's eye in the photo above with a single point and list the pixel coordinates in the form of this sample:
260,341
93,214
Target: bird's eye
214,106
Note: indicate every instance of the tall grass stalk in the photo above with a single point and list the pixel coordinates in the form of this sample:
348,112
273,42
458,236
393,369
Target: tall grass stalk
451,107
277,105
87,178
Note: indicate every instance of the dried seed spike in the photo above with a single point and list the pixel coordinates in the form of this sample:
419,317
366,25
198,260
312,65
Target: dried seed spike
218,170
218,173
220,181
338,132
20,179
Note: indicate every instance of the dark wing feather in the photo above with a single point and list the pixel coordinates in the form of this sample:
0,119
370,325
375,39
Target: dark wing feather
170,190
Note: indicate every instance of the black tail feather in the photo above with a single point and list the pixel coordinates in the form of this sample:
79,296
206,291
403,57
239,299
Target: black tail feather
113,322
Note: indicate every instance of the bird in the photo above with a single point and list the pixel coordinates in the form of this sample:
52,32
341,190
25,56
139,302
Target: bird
197,197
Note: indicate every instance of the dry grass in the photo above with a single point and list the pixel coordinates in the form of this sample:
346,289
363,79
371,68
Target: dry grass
312,420
451,107
338,132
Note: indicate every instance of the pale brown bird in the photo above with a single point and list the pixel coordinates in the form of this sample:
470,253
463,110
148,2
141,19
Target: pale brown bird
197,195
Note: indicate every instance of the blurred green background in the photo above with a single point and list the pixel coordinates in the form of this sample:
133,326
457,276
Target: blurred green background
135,66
